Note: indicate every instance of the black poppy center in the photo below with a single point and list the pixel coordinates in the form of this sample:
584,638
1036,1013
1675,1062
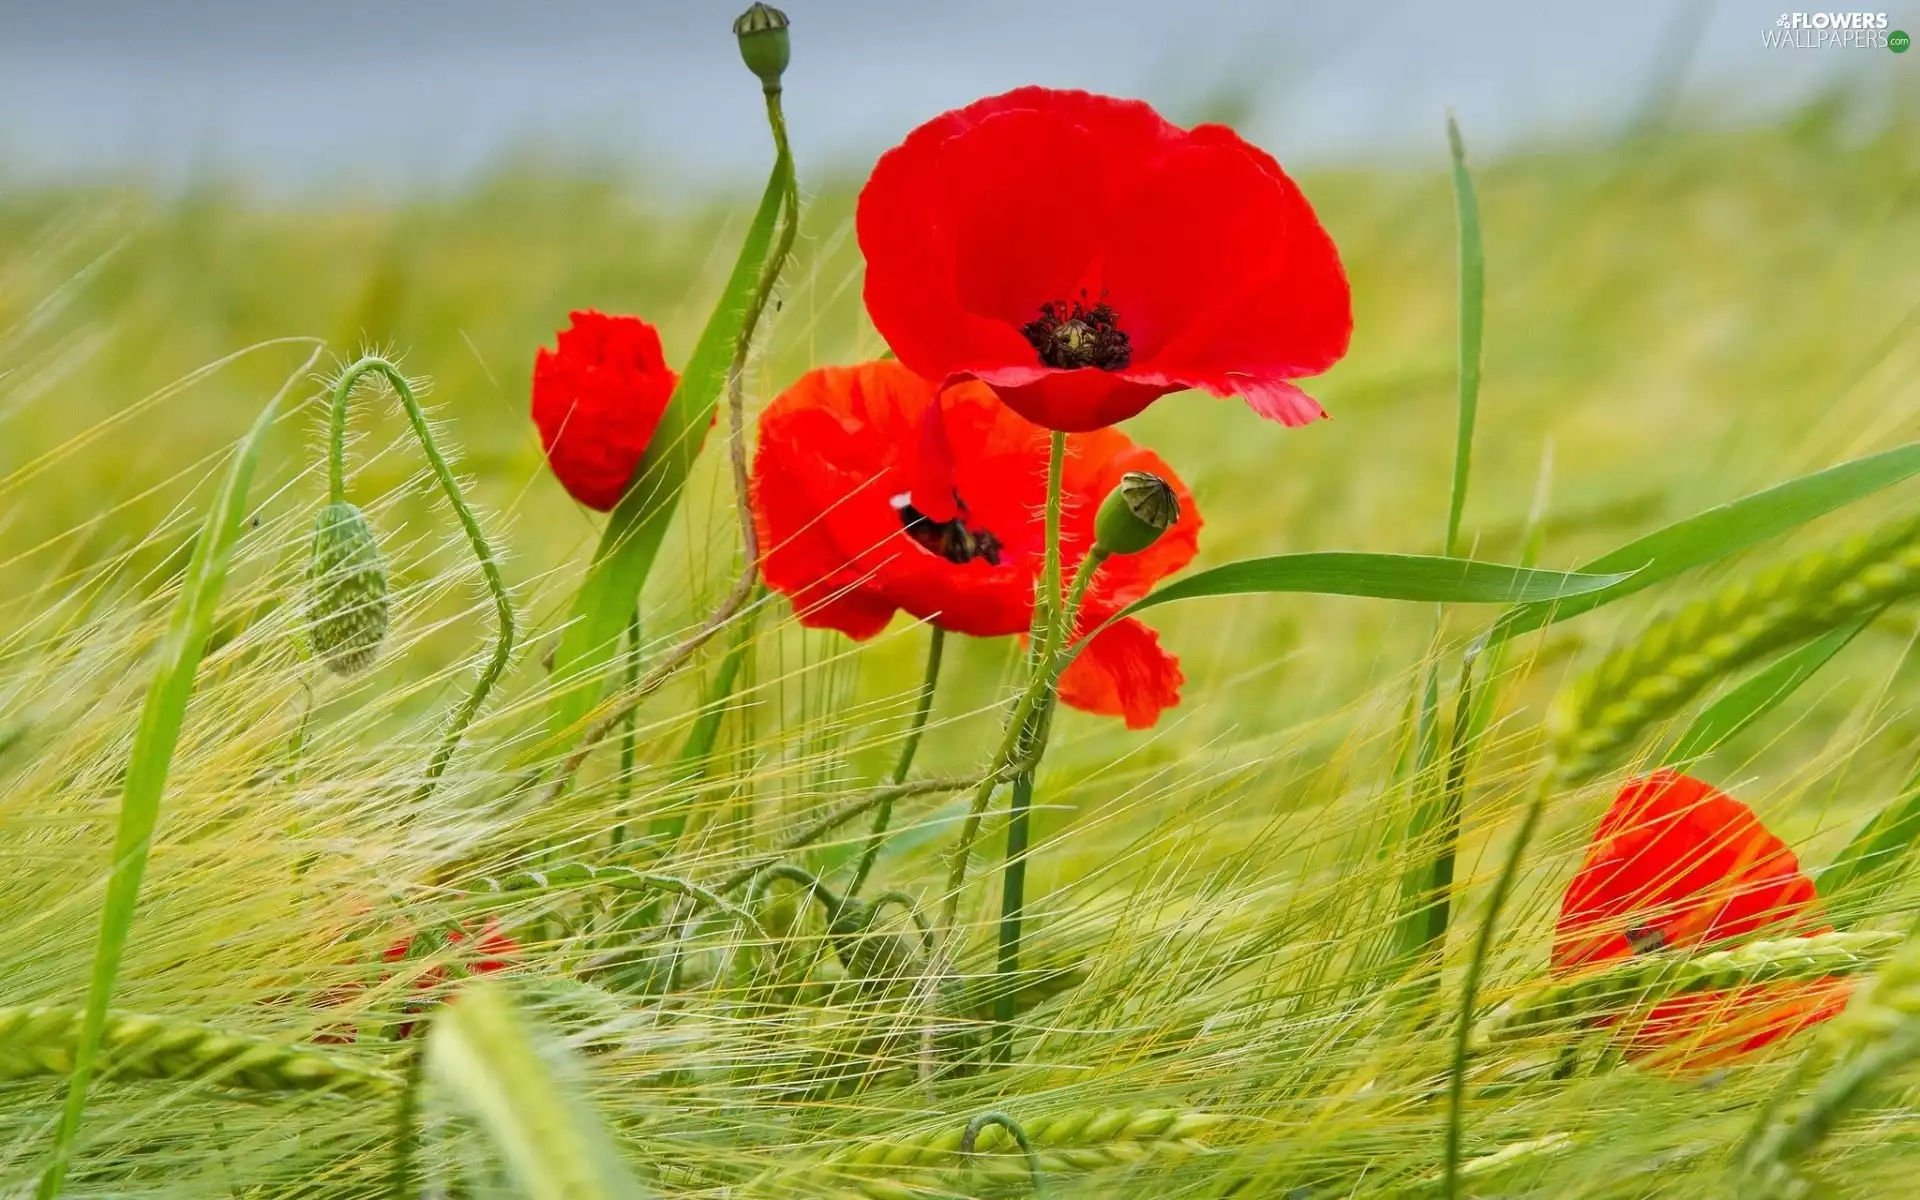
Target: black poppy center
954,540
1645,939
1078,335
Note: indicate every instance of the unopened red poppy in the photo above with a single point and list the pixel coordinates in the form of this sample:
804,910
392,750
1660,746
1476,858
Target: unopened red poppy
875,492
1677,864
1085,256
597,398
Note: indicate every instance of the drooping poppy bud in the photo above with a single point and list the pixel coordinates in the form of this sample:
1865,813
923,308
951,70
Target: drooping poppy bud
346,607
1135,514
764,47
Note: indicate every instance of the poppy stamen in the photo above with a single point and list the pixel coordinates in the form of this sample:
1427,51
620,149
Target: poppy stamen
1079,335
952,540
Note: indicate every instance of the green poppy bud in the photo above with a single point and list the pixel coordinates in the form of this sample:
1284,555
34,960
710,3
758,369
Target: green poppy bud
346,608
762,31
1135,514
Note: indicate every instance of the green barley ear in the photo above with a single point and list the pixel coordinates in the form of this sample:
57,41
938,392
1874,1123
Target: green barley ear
346,605
1672,660
1865,1046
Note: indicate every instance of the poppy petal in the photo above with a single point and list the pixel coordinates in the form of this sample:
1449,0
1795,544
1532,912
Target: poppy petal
1017,248
1677,856
1075,401
1217,271
1710,1029
597,398
847,451
1123,672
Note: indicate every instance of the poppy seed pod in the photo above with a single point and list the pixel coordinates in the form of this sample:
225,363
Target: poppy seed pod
346,609
1135,514
762,31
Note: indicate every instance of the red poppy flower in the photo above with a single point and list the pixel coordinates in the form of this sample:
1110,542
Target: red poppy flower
1085,257
491,951
597,399
872,494
1676,863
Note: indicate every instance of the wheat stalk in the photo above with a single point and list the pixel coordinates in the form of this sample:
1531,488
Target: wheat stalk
1078,1140
1649,978
1670,661
39,1039
1876,1035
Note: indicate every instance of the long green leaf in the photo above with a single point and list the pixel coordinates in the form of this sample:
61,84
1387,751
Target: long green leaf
161,717
1473,306
554,1146
1382,576
1758,695
1714,534
638,524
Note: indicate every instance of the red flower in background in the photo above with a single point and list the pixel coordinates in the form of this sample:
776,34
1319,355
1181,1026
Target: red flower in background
1677,863
1085,257
489,952
597,399
873,495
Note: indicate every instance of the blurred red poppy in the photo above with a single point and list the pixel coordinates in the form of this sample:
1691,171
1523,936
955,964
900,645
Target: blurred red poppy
491,951
872,495
1084,256
597,399
1676,863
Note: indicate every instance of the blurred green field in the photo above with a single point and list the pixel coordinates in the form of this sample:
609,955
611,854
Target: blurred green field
1674,320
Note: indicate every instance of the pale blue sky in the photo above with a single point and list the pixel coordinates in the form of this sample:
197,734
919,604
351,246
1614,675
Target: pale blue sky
293,94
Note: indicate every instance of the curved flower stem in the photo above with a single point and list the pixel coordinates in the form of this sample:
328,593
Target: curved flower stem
1077,592
883,815
834,818
482,549
1470,987
970,1137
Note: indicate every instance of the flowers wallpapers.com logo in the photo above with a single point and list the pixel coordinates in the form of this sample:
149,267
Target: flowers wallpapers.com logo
1835,30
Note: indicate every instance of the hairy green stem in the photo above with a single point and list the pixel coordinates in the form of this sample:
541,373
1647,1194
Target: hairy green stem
1050,581
1012,902
833,819
482,549
883,815
1013,875
744,589
406,1122
624,792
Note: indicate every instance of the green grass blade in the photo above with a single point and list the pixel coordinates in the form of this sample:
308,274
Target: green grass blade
161,716
554,1146
1874,855
1381,576
638,524
1714,534
1758,696
1473,311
